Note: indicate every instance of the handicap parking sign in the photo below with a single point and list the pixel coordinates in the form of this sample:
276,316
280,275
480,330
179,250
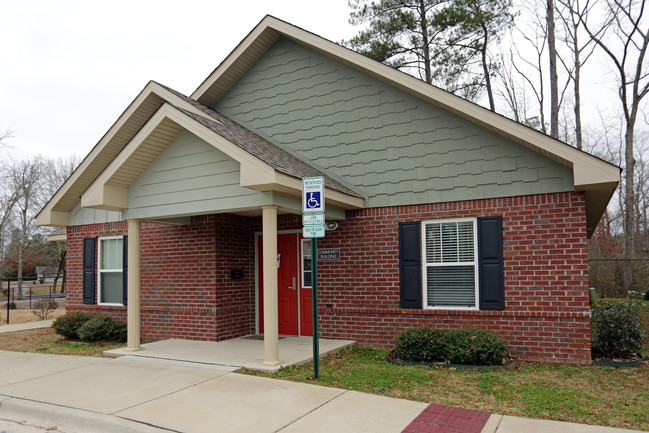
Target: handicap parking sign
313,194
313,200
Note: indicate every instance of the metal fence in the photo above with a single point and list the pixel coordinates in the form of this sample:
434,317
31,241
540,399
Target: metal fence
25,293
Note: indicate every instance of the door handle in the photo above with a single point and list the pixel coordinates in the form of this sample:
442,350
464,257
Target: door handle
293,287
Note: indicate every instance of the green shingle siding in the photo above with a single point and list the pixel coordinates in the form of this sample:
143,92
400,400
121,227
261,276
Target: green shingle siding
189,176
396,148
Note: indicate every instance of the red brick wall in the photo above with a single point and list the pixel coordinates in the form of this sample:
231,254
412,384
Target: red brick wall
546,316
187,291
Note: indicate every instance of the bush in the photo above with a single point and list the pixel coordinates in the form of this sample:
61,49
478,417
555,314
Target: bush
12,305
102,327
422,345
616,330
476,347
462,346
44,307
68,325
646,295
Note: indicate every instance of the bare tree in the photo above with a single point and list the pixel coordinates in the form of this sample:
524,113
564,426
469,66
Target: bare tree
5,135
571,14
55,173
25,180
554,78
8,198
531,38
624,38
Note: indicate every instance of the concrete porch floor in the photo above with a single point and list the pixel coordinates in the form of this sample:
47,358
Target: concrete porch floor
245,352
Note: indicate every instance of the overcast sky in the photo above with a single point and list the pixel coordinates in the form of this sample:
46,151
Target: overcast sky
68,69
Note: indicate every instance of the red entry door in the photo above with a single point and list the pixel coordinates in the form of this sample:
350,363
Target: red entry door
287,283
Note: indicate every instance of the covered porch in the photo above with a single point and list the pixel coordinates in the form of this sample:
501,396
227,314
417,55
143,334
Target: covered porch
184,163
243,352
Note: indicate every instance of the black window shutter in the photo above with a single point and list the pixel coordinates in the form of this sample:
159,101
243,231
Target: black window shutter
410,265
490,263
125,269
89,272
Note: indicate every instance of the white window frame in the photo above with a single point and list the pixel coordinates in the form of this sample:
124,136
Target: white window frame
426,265
302,270
100,270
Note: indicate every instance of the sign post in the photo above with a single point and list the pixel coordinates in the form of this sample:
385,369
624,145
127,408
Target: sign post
313,220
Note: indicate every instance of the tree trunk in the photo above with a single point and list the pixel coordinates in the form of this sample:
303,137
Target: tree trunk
20,273
554,85
629,208
61,271
21,251
485,71
578,136
426,42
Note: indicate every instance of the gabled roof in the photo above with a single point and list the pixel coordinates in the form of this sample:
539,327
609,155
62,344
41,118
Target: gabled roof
150,122
592,175
597,178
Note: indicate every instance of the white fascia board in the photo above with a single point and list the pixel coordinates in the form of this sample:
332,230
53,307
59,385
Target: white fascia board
57,237
74,177
232,57
587,169
106,197
99,194
151,88
53,218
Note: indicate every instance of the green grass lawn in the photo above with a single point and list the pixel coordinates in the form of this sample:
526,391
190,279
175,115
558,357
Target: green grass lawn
589,395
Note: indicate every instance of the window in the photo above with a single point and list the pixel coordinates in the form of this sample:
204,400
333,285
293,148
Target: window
306,263
111,270
450,259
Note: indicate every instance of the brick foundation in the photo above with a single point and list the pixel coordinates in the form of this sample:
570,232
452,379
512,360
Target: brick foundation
187,291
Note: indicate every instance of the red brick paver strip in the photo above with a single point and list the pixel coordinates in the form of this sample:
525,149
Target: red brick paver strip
446,419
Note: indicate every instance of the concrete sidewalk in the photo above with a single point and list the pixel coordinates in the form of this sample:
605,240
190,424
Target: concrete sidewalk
26,326
130,394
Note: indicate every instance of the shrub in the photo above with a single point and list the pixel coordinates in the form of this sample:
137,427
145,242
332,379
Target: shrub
102,327
476,347
44,307
68,325
462,346
12,305
646,295
422,345
616,330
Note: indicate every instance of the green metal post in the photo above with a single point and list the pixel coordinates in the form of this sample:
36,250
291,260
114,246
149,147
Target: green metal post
314,296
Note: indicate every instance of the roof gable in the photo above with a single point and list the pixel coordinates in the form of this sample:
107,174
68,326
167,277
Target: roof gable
396,148
144,130
597,178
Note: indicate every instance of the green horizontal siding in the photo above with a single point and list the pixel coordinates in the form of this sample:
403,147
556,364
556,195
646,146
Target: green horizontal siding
190,177
81,216
392,146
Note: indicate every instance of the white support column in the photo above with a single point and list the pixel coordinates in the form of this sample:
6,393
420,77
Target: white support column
133,281
271,327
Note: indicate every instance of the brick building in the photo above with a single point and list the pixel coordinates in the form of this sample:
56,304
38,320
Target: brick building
185,219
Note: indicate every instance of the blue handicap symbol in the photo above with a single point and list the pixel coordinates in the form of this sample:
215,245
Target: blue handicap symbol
313,201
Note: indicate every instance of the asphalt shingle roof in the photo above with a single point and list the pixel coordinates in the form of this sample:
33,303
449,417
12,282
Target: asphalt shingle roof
270,153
